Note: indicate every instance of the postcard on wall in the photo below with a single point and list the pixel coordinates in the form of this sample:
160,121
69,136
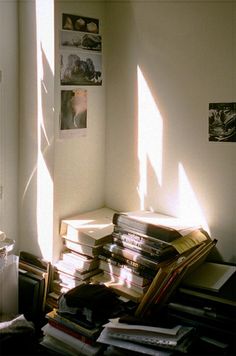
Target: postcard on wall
73,118
80,23
79,40
81,68
222,122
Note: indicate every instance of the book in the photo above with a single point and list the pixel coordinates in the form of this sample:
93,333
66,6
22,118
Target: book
131,255
69,269
31,295
157,248
133,265
210,276
138,238
145,249
37,266
222,298
110,280
123,272
122,288
139,270
79,260
126,345
168,277
90,228
78,345
73,324
92,251
163,227
57,346
154,336
56,324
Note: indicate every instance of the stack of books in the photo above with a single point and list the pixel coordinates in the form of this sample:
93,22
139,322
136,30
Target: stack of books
143,243
68,337
83,238
206,299
34,281
74,327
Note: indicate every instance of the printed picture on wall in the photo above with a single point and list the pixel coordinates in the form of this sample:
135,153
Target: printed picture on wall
73,109
222,122
80,23
86,41
81,68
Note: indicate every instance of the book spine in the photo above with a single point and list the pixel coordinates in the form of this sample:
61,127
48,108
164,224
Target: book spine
161,232
71,332
123,272
145,250
131,255
121,265
136,267
140,238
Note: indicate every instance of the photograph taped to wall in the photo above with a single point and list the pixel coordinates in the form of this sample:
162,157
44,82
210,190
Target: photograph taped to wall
73,120
80,23
222,122
85,41
81,68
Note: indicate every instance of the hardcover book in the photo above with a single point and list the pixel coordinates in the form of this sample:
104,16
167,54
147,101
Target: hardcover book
91,228
157,225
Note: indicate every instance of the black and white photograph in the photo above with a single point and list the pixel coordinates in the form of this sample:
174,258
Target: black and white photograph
73,109
86,41
81,68
222,122
80,23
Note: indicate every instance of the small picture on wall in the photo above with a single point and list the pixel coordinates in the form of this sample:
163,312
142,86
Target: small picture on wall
81,68
222,122
86,41
80,23
73,109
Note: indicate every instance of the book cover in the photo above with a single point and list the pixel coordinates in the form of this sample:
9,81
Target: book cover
80,261
131,255
168,277
61,266
73,324
90,228
163,227
80,346
87,250
210,276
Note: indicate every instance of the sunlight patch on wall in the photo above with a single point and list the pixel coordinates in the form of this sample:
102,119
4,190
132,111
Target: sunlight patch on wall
189,207
45,33
150,137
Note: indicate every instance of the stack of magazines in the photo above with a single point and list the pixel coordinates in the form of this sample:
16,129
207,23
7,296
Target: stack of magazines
146,340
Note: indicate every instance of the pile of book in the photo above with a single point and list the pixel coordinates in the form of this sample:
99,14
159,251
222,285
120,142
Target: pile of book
74,327
34,277
83,238
146,340
206,300
147,247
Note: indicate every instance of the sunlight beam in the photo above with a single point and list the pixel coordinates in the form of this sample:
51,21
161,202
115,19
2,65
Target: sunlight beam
189,207
150,137
45,48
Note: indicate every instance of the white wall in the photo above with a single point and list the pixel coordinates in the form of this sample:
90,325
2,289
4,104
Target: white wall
80,161
9,118
58,177
186,54
36,33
